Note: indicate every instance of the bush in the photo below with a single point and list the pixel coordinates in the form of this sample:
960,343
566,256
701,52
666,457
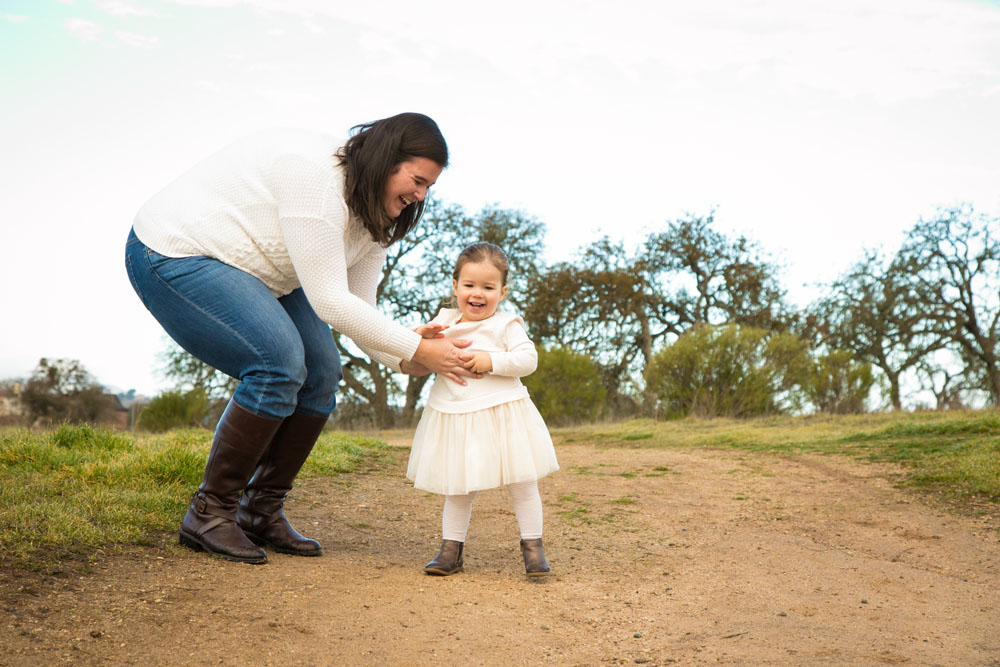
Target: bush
173,409
566,387
726,371
838,384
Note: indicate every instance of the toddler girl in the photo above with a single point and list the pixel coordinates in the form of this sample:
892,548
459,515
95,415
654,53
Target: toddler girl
488,433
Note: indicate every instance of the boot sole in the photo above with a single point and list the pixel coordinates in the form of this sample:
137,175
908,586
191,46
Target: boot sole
443,573
195,544
535,575
260,542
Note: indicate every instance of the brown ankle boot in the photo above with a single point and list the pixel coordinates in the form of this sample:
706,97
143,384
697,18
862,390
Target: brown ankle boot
210,522
261,512
448,560
533,553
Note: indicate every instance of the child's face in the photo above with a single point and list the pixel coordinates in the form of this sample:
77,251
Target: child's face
479,290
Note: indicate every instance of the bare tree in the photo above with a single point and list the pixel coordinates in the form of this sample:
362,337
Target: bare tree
873,311
709,278
617,306
187,372
953,260
63,390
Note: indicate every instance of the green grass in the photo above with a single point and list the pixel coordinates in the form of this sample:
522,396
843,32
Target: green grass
957,453
67,493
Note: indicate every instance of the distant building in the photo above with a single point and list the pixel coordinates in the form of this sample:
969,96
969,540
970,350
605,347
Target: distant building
119,413
10,401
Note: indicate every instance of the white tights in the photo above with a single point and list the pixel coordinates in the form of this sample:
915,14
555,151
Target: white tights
527,509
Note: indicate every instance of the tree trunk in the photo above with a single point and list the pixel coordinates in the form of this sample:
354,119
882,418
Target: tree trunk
414,387
897,403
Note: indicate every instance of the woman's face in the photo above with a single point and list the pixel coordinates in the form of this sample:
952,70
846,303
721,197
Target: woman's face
408,183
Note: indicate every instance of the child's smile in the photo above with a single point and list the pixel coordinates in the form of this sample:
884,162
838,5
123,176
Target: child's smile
479,289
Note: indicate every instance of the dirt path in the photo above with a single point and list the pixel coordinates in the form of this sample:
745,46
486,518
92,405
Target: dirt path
659,557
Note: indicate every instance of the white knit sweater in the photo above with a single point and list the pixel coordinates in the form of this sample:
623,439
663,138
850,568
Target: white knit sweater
272,205
511,352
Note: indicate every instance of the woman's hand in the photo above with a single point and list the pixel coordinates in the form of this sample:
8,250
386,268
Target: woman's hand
413,368
445,357
481,362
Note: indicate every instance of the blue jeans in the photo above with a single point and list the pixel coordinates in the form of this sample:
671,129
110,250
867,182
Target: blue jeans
279,349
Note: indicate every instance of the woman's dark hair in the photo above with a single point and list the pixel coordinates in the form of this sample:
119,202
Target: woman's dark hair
371,155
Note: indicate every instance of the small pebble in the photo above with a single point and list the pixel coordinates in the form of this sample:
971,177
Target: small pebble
782,613
637,635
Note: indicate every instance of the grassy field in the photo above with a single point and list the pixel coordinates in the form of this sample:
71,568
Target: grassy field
955,453
71,494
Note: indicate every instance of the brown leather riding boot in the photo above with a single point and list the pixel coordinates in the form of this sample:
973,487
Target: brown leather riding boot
261,512
210,522
533,553
448,560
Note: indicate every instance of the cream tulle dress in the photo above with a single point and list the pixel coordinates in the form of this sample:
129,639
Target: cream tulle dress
488,433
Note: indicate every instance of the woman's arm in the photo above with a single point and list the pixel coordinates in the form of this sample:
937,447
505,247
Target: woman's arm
318,255
313,219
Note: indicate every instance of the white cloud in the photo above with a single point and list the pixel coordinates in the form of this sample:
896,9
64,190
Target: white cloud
83,30
14,18
210,86
313,27
263,68
891,51
377,43
136,40
119,8
211,3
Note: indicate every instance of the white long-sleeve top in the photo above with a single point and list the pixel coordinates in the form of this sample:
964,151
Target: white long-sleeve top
511,351
272,205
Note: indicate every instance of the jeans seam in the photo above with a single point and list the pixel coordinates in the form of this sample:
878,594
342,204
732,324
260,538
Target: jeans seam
237,334
131,276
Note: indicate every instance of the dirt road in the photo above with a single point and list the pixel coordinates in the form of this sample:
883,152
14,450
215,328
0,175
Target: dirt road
659,557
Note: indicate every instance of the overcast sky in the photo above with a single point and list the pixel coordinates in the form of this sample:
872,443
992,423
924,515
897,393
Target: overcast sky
814,128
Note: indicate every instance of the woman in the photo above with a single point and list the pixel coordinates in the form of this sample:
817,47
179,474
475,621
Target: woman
247,261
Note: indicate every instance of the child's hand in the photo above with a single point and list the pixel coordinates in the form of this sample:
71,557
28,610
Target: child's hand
431,330
481,362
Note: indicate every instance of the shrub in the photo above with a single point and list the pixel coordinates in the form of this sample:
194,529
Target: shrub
173,409
838,384
726,371
566,387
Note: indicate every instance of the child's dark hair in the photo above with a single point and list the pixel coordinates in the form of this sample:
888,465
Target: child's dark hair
483,252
